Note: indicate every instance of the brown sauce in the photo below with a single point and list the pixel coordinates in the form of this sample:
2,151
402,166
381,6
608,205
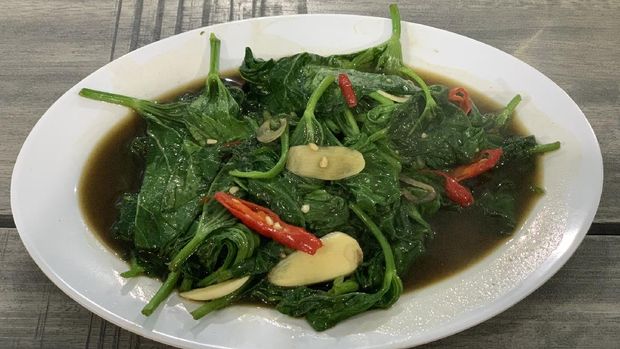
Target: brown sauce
110,171
461,238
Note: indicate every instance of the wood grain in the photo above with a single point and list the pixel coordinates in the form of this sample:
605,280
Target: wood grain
577,308
47,47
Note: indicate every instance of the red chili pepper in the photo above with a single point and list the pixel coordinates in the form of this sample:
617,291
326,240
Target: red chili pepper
347,90
265,222
460,96
455,191
488,159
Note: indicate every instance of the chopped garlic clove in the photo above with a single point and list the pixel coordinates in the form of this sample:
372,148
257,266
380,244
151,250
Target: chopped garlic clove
215,291
327,163
340,255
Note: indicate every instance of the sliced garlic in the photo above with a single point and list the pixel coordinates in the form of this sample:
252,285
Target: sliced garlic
265,134
327,163
215,291
398,99
340,255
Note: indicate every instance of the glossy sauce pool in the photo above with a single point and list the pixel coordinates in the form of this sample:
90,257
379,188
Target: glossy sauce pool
461,238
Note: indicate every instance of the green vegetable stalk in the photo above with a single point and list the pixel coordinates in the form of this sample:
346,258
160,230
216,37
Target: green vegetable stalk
391,61
309,130
504,116
213,217
219,303
392,286
164,291
195,147
275,170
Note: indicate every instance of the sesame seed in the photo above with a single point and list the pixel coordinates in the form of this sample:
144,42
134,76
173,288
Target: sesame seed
305,208
323,163
211,141
277,225
313,146
268,220
233,190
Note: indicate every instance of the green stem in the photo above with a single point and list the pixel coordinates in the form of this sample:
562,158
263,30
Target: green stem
390,266
167,111
392,285
314,98
111,98
186,284
275,170
203,229
217,218
382,133
351,121
340,286
330,138
215,55
389,155
213,78
135,269
164,291
217,276
430,105
408,72
544,148
331,125
393,47
395,16
381,99
188,249
502,118
217,303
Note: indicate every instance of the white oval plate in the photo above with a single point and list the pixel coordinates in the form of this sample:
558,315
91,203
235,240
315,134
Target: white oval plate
45,184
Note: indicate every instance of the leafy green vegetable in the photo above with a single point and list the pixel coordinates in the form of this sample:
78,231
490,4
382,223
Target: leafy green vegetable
213,217
226,249
204,143
277,193
326,212
284,85
275,170
390,61
377,184
324,309
448,140
523,148
309,130
214,114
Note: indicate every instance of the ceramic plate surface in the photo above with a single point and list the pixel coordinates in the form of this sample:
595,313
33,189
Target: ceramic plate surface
45,185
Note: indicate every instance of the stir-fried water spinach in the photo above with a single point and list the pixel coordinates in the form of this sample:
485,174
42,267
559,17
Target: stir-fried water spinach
354,154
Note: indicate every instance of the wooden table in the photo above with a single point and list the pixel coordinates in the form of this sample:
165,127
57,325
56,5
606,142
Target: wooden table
48,46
